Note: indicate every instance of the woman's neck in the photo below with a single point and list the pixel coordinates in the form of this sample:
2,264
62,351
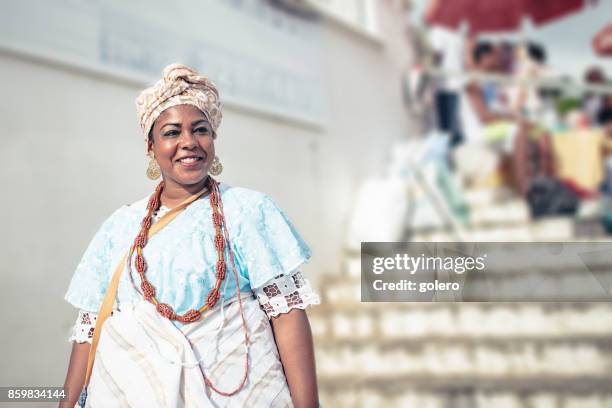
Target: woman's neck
173,194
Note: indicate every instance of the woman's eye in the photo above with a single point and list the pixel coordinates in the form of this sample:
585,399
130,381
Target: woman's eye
202,129
171,133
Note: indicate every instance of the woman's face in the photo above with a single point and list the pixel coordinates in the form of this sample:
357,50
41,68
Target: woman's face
183,144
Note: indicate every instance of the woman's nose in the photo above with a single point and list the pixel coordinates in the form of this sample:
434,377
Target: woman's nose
187,138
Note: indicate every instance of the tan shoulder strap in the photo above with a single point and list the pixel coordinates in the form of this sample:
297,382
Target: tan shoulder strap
111,291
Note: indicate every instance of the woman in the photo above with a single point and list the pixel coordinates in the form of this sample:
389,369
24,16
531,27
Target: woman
486,121
176,292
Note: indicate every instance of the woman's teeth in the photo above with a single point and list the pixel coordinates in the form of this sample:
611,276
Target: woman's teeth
190,159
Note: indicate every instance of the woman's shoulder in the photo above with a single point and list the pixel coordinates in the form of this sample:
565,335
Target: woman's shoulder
243,202
139,204
243,196
118,216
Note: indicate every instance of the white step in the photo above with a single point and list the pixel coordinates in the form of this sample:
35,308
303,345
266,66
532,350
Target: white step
407,398
421,321
513,212
477,359
546,229
481,197
347,292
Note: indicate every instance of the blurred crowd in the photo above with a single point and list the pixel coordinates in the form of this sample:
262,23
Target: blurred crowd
511,119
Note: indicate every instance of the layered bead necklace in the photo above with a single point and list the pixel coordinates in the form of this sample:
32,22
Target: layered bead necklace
221,238
148,291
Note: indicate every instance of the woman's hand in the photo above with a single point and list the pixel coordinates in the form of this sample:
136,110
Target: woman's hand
294,341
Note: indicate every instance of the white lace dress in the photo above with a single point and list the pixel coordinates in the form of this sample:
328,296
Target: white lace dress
279,295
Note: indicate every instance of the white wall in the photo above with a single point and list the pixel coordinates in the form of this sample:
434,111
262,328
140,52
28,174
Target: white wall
72,153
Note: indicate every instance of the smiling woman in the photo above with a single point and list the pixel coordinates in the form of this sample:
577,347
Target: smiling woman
182,143
214,315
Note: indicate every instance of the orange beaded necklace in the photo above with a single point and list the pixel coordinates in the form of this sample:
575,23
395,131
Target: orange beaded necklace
148,291
221,238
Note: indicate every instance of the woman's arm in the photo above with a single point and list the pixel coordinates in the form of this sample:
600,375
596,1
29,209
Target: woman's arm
294,342
76,373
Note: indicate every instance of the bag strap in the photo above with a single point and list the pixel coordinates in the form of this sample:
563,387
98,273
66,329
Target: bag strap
111,291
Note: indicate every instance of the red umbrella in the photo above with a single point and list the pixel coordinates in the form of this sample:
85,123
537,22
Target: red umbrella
602,42
498,15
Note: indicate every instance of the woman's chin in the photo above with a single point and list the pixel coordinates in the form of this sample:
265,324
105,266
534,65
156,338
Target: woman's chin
191,177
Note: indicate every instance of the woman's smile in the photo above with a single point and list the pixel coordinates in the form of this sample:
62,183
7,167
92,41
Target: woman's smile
191,161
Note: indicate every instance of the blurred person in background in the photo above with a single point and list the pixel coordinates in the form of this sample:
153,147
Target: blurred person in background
593,103
605,119
525,95
448,46
507,51
487,120
223,312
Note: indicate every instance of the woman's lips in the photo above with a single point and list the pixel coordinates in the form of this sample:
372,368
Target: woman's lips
191,163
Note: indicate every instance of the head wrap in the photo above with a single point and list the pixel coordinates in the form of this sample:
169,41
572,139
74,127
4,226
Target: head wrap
179,85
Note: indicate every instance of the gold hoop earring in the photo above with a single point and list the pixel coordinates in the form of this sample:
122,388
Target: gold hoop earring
216,167
153,171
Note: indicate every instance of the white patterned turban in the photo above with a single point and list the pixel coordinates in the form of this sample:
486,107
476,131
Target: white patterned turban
179,85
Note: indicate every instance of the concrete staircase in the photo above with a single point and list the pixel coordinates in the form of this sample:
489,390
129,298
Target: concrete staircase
455,355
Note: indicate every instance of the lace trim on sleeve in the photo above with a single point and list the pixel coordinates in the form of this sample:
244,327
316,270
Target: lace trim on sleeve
83,329
286,292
